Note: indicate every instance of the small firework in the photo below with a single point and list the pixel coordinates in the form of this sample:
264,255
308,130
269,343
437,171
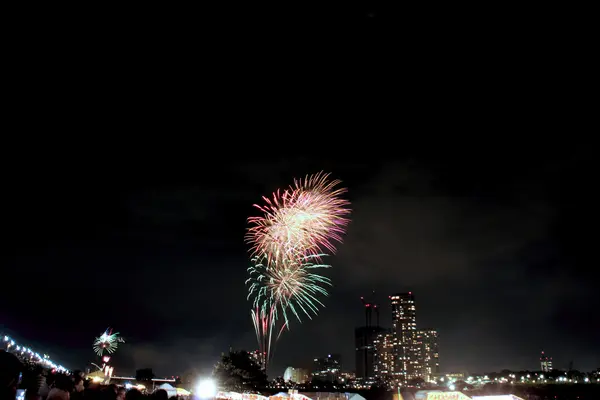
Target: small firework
107,342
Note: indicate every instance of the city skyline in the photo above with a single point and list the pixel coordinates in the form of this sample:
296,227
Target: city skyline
385,341
398,355
483,247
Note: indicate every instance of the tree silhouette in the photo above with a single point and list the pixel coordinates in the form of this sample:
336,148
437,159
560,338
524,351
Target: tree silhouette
238,372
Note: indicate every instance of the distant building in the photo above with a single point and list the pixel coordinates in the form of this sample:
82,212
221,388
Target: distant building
545,363
457,376
427,340
365,338
328,368
347,377
296,375
384,356
404,328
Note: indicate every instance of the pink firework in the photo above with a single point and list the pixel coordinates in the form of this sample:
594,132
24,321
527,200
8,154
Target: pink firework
308,218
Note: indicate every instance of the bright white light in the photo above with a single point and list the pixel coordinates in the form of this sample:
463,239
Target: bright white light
451,387
206,389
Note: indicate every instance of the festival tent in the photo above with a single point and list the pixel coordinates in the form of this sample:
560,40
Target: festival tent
354,396
171,391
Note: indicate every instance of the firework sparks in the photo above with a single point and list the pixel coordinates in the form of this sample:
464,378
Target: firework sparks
279,292
298,227
291,287
307,218
107,342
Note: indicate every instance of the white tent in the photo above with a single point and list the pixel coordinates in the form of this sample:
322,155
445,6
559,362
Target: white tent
171,391
354,396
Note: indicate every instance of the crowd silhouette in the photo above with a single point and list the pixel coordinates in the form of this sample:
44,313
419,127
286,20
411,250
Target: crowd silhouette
36,383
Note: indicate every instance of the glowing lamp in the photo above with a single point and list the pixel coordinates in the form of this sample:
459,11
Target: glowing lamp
206,389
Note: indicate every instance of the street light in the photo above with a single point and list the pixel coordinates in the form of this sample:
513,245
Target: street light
206,389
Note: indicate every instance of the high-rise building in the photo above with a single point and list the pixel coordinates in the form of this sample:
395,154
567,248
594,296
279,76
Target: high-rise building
365,338
328,368
384,356
545,363
427,340
404,329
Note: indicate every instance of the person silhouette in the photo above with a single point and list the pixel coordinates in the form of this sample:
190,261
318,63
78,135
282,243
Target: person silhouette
10,372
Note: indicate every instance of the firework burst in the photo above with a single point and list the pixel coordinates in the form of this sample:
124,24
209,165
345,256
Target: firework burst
291,288
307,218
278,293
107,342
299,226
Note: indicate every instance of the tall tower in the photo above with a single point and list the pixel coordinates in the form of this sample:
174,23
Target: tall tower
404,330
365,338
427,339
384,356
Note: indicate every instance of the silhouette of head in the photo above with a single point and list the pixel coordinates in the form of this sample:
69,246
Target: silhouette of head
10,370
161,394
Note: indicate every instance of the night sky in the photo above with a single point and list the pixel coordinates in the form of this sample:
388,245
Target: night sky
142,233
494,243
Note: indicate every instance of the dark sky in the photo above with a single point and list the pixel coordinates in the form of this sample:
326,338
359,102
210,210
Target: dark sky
468,183
495,242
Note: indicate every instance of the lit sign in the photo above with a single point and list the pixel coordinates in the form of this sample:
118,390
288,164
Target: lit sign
447,396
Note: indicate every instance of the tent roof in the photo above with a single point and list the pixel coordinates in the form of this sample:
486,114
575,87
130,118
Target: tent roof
354,396
166,386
